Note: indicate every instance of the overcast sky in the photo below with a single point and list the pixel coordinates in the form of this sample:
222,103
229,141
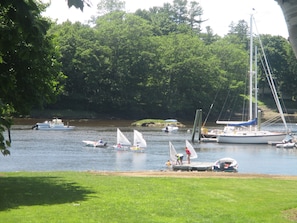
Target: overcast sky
219,13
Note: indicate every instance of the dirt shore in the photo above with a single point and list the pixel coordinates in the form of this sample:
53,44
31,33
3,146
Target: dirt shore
193,174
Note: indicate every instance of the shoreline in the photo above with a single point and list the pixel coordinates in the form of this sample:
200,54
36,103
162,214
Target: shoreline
192,174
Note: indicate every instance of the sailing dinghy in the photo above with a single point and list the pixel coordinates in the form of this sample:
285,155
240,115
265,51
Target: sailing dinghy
122,141
139,143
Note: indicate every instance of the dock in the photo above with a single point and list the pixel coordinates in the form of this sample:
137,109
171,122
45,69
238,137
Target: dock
194,166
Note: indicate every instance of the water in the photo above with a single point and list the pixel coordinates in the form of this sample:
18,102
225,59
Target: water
64,151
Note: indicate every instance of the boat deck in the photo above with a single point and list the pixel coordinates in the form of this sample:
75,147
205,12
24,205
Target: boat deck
194,166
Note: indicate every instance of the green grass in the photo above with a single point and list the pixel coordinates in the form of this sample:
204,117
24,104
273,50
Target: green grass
85,197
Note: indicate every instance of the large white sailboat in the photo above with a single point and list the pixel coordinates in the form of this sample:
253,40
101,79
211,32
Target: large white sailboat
248,132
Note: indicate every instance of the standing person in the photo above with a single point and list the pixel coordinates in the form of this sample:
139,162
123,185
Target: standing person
188,152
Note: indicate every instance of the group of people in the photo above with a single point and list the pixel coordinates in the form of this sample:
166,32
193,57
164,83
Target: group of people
179,158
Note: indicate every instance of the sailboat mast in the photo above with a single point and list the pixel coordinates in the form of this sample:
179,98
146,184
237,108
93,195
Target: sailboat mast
251,70
256,83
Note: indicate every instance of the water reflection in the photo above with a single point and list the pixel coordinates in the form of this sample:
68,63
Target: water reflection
45,151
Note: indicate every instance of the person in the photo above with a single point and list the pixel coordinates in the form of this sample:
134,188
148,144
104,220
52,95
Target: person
168,163
100,142
179,158
188,152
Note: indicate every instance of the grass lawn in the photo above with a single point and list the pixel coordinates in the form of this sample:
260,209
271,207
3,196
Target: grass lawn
88,197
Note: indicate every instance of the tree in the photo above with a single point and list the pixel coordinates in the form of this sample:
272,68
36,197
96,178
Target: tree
30,74
107,6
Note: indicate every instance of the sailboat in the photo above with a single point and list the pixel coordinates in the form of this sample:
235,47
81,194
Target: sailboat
248,132
172,153
192,150
122,141
139,143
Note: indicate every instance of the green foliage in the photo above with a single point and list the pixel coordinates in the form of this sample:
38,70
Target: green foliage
5,124
30,73
77,196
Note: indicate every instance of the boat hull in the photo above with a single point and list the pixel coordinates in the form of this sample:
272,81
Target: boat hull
250,138
56,124
287,145
225,165
94,143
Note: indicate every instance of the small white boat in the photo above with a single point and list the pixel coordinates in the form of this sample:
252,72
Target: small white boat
54,124
170,128
287,145
173,154
226,165
139,143
99,143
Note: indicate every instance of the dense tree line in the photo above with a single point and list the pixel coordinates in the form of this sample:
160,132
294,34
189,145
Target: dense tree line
158,63
155,63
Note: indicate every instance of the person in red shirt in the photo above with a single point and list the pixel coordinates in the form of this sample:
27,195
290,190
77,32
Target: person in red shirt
188,152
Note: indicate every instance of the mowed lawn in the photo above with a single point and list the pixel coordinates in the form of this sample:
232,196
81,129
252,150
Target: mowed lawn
88,197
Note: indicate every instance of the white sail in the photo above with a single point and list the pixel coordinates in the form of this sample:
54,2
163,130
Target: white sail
139,141
122,139
172,152
192,150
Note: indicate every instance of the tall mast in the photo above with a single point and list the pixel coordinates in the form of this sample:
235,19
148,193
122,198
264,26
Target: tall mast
251,70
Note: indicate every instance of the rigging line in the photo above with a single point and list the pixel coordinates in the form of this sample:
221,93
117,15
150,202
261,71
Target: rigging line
244,102
272,83
224,105
211,106
275,95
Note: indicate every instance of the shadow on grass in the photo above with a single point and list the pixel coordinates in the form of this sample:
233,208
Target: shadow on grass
27,191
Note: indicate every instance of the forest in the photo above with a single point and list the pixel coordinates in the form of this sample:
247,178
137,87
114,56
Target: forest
154,63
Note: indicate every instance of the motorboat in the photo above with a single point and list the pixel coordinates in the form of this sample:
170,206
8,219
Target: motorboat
54,124
286,145
170,128
99,143
226,164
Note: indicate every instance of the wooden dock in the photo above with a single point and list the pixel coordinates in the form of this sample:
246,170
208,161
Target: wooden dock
194,166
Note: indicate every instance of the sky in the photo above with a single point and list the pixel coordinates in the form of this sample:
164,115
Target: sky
218,13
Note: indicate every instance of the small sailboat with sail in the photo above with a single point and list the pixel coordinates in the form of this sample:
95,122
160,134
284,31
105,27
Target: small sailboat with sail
122,141
139,143
172,154
248,132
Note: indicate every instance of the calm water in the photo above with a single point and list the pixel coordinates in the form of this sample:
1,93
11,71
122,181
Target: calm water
46,151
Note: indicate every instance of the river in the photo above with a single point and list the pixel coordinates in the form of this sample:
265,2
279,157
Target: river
35,150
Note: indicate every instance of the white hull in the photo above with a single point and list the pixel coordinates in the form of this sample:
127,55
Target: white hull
55,124
64,128
94,143
170,129
287,145
257,137
226,164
